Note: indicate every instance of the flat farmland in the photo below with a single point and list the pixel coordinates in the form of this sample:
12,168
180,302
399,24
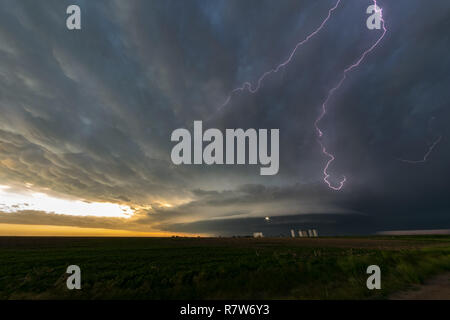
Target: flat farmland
218,268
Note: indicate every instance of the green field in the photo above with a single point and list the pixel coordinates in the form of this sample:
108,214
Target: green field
217,268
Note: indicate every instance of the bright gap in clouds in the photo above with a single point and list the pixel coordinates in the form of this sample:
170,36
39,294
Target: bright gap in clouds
27,200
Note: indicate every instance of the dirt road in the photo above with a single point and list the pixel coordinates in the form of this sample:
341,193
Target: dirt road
437,288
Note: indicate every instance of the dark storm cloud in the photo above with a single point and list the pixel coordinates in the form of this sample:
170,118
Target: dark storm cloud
89,113
251,201
327,224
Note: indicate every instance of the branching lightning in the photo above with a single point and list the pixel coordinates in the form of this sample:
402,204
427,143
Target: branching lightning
254,89
425,157
323,112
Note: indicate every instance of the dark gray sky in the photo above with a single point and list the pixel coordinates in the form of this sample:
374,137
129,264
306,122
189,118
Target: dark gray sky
88,114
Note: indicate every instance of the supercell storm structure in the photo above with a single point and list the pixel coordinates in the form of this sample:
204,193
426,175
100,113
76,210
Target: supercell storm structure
247,86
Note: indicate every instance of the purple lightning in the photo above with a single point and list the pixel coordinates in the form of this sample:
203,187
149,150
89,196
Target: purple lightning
254,89
425,157
248,85
330,156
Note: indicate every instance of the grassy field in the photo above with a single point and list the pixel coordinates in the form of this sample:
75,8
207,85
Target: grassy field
217,268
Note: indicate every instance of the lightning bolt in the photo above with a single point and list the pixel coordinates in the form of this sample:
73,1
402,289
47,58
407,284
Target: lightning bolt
323,112
253,89
425,157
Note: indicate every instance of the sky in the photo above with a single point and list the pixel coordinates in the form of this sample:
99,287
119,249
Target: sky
87,115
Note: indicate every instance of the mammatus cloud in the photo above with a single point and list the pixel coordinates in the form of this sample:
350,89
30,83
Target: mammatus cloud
88,115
